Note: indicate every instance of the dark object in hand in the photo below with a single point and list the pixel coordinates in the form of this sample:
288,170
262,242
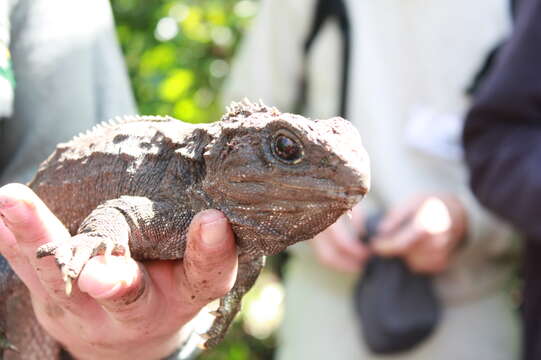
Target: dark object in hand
398,309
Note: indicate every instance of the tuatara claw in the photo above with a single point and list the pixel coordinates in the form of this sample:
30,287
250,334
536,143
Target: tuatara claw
69,285
204,336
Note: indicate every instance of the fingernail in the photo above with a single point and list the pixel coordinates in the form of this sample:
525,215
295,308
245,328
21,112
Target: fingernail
212,229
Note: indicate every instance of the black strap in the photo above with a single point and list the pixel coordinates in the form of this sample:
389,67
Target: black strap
325,10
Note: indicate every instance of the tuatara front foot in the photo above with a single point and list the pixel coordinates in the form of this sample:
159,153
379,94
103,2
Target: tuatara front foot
71,256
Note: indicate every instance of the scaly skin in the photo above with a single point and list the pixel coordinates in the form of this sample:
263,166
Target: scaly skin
279,178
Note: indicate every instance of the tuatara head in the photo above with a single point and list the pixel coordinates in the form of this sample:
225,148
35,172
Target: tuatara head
282,178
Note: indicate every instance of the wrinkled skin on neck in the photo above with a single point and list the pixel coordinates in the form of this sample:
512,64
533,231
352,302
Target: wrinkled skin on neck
273,203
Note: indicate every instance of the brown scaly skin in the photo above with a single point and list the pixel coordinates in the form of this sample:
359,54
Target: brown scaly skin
279,178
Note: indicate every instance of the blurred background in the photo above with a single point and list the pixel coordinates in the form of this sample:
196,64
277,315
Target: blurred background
178,53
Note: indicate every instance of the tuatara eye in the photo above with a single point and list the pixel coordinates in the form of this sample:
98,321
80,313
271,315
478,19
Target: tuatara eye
287,149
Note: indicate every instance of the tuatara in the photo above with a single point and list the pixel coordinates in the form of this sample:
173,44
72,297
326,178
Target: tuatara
279,178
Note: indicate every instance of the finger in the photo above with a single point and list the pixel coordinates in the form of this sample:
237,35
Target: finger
399,243
397,216
8,244
32,225
29,219
210,261
329,256
427,263
133,296
431,255
120,286
109,277
343,237
18,262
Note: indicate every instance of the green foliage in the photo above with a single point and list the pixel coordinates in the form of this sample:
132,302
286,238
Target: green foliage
178,52
238,345
241,342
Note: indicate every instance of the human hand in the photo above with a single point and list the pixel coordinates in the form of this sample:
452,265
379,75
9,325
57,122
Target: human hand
339,247
423,231
122,309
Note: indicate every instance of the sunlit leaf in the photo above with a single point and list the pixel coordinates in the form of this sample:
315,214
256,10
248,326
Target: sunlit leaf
176,84
179,11
160,57
239,352
125,5
221,35
186,110
194,27
216,15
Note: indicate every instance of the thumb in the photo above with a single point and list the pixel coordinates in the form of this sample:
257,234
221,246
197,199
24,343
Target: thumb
210,261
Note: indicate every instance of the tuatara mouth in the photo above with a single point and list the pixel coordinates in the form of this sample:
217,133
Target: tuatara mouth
294,189
293,206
